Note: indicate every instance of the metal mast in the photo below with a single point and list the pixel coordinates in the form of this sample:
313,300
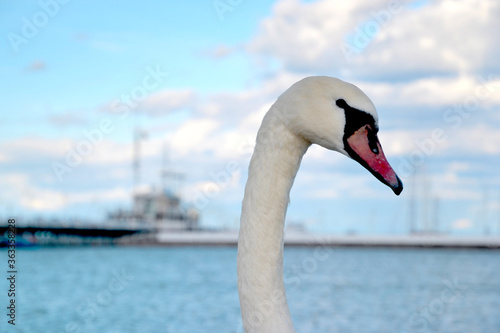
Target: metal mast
136,160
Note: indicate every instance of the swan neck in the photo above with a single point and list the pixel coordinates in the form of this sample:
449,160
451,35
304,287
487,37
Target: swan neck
272,170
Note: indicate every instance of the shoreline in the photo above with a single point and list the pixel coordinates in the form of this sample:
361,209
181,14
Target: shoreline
292,239
230,238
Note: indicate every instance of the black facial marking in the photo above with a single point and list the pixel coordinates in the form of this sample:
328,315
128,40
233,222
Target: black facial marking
354,120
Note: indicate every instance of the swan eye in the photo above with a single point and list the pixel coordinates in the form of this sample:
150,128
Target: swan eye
372,140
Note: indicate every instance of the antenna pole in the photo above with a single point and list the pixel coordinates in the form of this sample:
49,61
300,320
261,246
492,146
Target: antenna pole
136,161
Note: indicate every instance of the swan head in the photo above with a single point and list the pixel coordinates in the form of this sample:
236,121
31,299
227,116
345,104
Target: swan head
338,116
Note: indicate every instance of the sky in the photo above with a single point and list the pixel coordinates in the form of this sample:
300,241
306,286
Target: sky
79,78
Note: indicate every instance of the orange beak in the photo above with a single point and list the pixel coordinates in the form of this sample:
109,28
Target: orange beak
366,149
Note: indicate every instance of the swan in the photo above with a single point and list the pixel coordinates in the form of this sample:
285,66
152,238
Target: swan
316,110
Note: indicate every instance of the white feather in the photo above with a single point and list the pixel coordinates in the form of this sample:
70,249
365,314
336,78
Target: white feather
304,114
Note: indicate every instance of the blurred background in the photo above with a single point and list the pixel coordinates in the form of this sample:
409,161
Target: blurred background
83,81
119,112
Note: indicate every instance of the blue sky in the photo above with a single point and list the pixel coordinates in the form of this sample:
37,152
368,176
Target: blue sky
198,78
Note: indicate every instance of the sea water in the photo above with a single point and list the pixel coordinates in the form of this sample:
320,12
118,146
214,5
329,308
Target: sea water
194,289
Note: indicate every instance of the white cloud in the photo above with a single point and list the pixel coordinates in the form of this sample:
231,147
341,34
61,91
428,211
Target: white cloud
4,158
66,119
436,91
30,147
332,183
453,180
306,36
44,149
462,224
443,37
477,140
225,124
166,101
223,185
428,58
25,194
193,136
472,140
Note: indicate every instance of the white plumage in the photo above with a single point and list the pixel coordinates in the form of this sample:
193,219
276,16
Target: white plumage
306,113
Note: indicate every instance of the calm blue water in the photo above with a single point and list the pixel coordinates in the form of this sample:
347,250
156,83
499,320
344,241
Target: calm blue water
134,289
